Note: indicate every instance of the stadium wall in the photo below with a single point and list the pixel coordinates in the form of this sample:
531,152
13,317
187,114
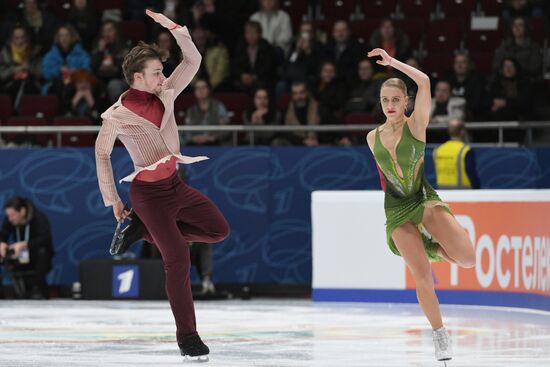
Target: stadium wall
264,192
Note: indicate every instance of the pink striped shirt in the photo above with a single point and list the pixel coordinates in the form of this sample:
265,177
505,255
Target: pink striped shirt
148,144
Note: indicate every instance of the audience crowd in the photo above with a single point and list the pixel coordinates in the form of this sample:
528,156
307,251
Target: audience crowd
272,62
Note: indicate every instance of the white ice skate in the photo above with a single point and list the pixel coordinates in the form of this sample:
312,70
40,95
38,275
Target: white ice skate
208,287
443,346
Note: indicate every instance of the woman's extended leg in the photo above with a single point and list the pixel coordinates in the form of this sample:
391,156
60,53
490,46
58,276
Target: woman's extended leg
409,242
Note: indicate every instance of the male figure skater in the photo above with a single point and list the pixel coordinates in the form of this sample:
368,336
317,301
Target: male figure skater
167,212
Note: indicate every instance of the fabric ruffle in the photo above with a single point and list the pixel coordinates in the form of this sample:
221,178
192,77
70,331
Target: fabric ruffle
180,159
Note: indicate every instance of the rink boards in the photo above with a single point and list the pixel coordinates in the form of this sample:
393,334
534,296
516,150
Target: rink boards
509,229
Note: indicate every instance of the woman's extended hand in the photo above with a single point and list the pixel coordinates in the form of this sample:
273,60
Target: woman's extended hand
386,59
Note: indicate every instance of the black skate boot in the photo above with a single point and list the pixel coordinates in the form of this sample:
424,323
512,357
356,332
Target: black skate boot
194,349
124,238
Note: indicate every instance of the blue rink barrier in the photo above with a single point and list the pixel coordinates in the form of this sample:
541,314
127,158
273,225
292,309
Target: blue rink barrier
264,192
503,299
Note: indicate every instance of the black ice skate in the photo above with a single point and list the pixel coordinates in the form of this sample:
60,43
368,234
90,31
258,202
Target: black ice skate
124,238
194,349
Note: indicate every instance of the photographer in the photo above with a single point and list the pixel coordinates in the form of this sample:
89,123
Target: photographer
26,244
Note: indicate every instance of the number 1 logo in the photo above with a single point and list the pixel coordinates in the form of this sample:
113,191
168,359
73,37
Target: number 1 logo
125,281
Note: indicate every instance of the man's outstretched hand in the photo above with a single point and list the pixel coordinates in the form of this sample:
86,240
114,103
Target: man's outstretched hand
161,19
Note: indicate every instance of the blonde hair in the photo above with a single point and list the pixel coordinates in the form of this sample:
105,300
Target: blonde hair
395,83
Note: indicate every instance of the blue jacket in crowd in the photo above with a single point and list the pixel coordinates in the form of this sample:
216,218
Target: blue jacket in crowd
77,58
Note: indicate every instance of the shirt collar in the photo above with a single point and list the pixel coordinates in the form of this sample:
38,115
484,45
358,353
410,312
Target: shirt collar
139,96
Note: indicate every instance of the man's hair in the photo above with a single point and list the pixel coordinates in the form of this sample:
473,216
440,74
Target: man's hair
205,81
134,61
19,26
526,24
298,83
75,36
342,21
463,53
444,81
456,128
384,20
16,203
254,25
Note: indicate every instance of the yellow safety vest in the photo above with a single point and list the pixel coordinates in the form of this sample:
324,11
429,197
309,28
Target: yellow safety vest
450,165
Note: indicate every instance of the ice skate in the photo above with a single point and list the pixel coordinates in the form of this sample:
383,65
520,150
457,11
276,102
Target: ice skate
194,350
443,346
124,238
208,287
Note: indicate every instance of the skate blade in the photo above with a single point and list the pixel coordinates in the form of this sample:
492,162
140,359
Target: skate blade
197,359
115,246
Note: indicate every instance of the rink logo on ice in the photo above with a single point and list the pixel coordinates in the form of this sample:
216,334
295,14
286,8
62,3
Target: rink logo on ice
125,281
512,246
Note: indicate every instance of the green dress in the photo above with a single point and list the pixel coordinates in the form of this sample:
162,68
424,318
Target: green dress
406,197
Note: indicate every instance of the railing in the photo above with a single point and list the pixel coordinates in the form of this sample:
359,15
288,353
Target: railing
500,126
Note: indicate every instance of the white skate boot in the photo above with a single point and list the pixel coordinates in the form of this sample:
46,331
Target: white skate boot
443,346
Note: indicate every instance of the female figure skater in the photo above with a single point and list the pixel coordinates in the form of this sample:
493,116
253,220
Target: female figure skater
419,227
169,213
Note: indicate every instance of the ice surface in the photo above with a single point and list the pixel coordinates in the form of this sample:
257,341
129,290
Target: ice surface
266,333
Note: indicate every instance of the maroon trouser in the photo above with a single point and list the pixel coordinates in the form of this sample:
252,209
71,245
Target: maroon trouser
174,215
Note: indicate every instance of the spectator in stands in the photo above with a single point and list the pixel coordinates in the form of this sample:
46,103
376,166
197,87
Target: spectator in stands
344,50
522,8
65,55
455,163
330,91
172,8
509,93
521,47
413,61
83,98
306,56
19,66
215,66
364,95
107,57
84,18
276,26
468,84
395,42
254,62
40,22
26,244
134,8
445,106
222,18
302,110
260,111
167,44
207,111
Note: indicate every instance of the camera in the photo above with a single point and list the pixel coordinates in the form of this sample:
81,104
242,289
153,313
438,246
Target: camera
9,258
